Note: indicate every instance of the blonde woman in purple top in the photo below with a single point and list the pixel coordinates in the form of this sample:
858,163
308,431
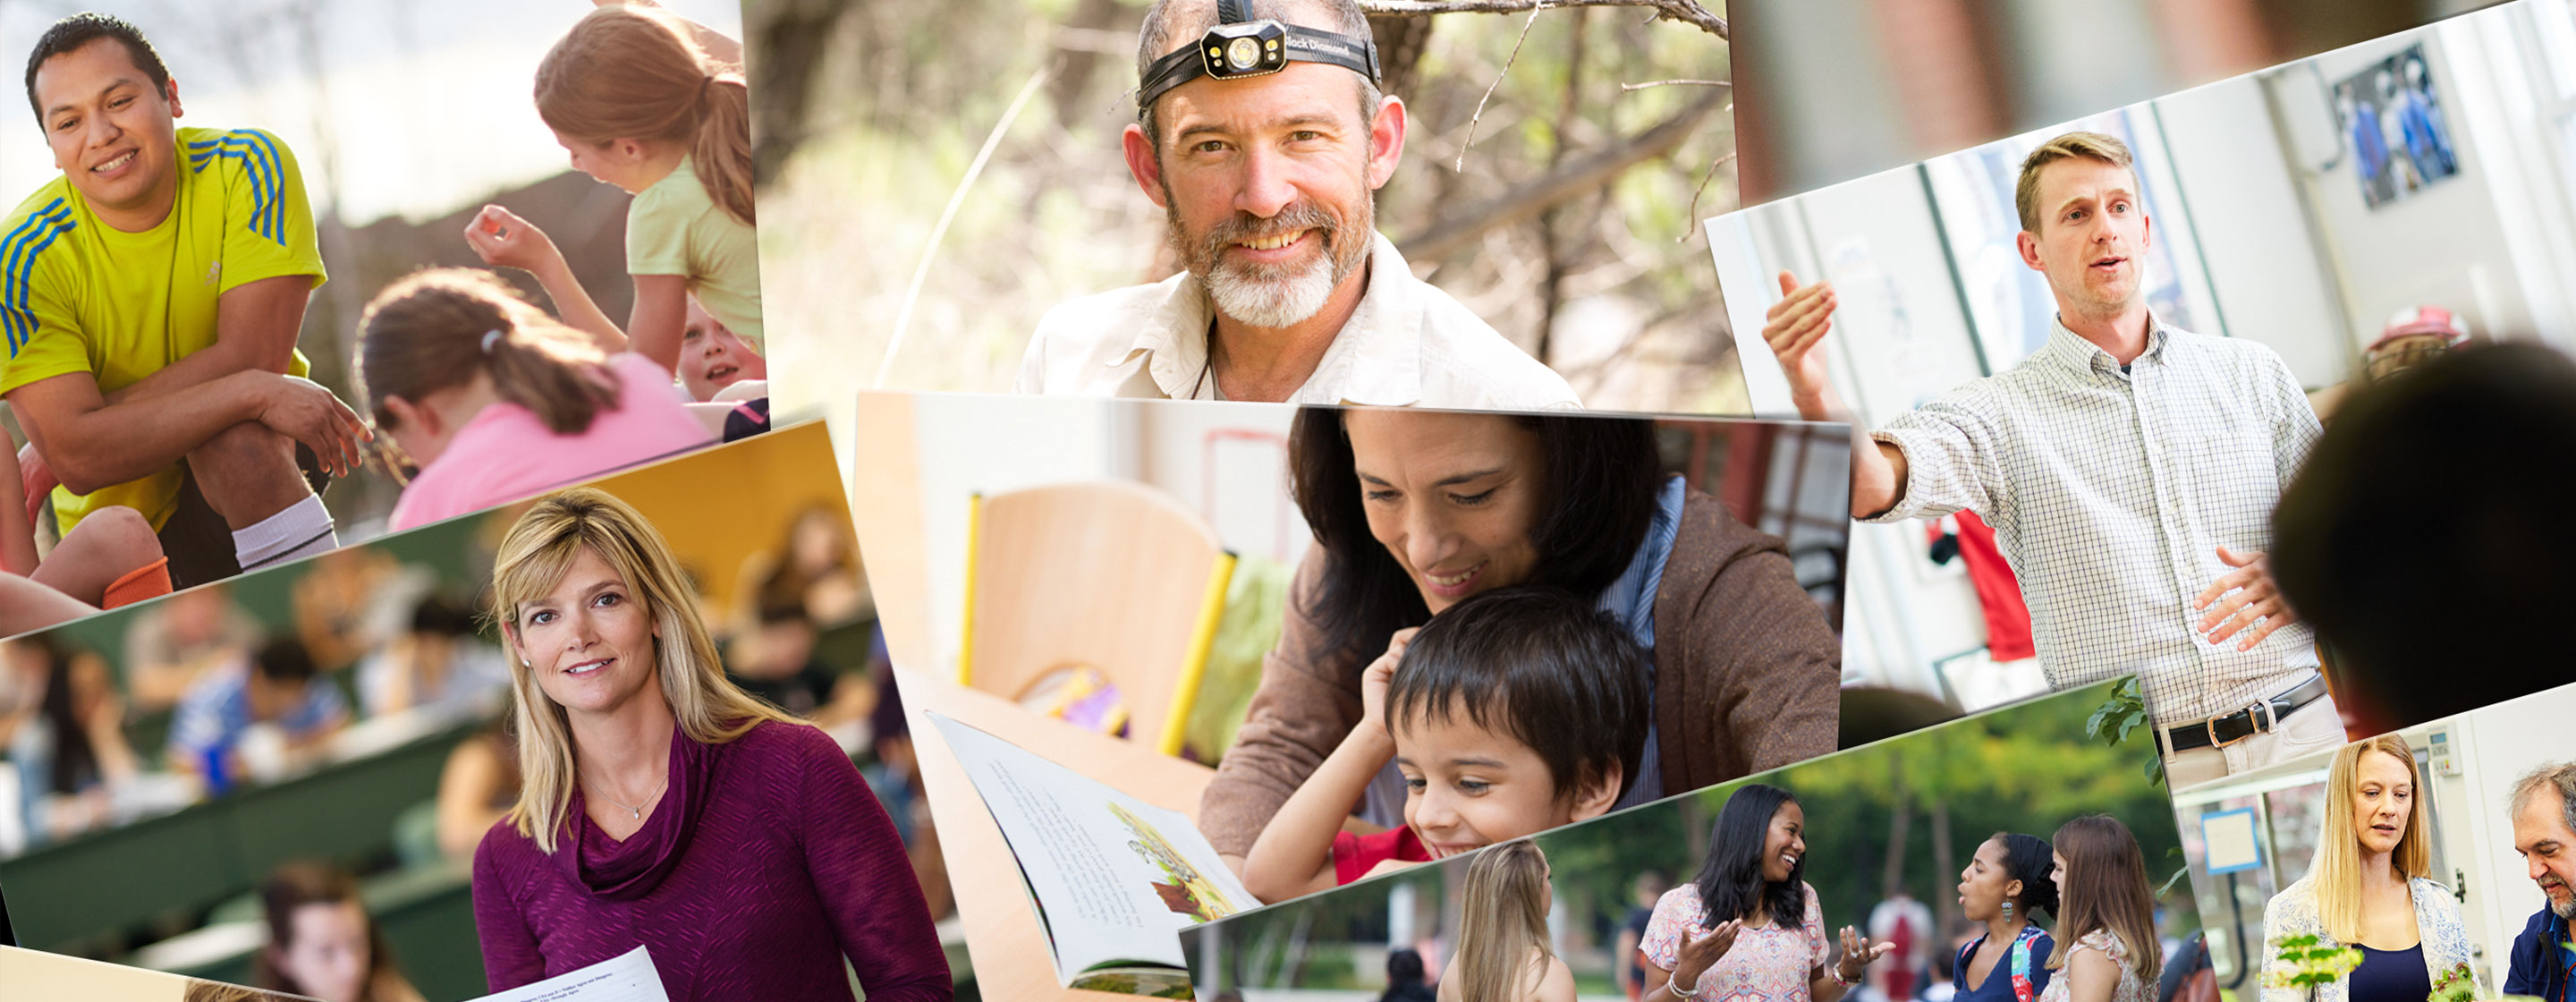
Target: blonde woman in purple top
665,808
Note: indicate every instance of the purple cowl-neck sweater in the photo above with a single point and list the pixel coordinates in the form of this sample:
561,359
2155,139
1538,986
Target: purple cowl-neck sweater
766,862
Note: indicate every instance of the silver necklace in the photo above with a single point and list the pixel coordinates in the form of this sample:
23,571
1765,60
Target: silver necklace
638,812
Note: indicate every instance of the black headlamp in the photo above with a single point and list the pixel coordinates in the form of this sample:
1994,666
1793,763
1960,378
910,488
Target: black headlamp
1241,47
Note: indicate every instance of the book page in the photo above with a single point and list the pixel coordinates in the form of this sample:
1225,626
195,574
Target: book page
627,977
1115,878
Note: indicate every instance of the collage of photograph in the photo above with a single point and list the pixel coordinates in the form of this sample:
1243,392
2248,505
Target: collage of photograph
1288,501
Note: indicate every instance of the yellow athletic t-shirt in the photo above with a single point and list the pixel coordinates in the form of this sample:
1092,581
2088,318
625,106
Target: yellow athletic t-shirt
77,296
673,228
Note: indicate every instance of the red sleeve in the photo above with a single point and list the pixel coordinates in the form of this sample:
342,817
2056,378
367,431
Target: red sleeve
865,879
1355,855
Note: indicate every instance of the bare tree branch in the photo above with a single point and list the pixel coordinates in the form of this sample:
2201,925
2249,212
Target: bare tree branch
1535,7
1576,176
1669,83
1685,11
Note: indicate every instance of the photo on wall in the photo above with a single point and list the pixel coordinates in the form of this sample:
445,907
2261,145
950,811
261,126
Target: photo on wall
361,735
2392,115
1915,867
1183,614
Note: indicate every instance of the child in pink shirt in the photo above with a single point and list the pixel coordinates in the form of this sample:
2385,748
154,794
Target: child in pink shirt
497,402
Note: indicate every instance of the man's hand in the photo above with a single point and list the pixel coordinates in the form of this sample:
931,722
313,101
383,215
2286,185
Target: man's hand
1795,328
2243,596
503,240
305,411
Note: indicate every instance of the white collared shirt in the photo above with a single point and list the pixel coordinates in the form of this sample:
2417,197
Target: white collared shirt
1407,343
2110,493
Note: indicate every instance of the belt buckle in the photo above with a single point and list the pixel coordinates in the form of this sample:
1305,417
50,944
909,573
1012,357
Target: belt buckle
2257,713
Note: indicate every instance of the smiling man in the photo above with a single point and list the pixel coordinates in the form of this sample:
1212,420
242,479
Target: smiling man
2544,832
151,297
2129,469
1263,137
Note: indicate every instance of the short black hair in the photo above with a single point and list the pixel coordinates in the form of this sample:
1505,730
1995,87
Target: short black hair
1601,479
2443,487
438,615
1540,665
284,660
74,33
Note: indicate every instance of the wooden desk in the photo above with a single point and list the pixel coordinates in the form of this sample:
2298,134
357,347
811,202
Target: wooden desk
1012,963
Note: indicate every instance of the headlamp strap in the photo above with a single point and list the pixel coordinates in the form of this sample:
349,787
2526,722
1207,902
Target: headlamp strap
1302,44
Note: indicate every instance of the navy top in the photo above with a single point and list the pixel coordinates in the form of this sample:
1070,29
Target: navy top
2390,976
1998,985
2540,965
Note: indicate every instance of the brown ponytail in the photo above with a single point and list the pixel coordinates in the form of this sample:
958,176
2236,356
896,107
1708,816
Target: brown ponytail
436,328
636,73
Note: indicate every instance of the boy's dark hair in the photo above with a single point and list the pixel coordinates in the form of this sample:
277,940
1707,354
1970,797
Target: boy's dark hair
283,660
1602,479
437,615
1538,664
74,33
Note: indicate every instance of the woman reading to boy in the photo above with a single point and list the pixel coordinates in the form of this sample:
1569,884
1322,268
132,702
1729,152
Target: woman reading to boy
1415,511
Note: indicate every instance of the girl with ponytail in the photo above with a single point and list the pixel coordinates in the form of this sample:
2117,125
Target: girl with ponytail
1503,952
495,401
634,93
2005,888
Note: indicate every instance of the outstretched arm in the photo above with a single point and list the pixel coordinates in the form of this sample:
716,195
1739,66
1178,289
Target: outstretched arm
1795,329
504,240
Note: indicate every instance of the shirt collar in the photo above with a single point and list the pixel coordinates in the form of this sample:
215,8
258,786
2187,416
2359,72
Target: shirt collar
1375,359
2067,348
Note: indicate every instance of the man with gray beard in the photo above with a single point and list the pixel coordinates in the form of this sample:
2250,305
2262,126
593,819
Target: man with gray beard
2544,832
1263,136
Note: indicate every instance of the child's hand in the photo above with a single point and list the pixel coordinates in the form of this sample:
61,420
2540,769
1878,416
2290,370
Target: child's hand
1373,682
504,240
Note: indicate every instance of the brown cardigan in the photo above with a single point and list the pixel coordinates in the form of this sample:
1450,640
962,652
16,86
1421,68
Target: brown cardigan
1747,679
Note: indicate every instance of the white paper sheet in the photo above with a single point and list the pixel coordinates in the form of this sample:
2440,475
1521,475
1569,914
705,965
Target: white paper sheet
627,977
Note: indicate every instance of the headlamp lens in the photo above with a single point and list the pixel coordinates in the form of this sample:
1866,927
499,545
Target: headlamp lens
1242,54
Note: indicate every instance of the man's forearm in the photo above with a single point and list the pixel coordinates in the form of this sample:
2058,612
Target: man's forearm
122,441
1878,469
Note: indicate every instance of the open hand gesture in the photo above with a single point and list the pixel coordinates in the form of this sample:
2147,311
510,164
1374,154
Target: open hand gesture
1795,329
2244,597
1858,954
1701,951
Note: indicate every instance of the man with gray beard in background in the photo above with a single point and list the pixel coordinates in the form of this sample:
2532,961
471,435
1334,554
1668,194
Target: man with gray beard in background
2544,832
1263,136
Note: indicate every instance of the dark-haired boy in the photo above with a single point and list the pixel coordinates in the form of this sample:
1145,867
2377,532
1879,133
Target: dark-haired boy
1510,713
278,686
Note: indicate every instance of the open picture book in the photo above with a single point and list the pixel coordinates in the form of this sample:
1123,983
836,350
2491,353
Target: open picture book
1113,879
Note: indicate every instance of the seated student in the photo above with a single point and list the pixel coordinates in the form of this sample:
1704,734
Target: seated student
477,787
497,402
277,686
776,663
321,941
70,746
1510,713
441,662
169,644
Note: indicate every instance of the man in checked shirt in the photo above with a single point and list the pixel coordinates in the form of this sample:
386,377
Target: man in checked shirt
2129,469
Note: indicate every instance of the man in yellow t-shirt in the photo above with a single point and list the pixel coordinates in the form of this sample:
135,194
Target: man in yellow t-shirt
150,299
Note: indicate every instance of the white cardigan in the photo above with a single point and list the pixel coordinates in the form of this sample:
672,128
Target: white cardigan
2293,912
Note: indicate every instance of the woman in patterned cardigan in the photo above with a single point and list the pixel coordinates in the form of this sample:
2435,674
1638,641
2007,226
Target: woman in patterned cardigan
2367,888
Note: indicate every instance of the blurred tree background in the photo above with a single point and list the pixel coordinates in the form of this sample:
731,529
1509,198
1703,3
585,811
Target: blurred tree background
1902,813
1571,226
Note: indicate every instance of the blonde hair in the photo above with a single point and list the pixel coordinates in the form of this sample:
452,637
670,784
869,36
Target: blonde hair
2336,873
2105,888
437,327
636,73
1502,925
2090,145
533,559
